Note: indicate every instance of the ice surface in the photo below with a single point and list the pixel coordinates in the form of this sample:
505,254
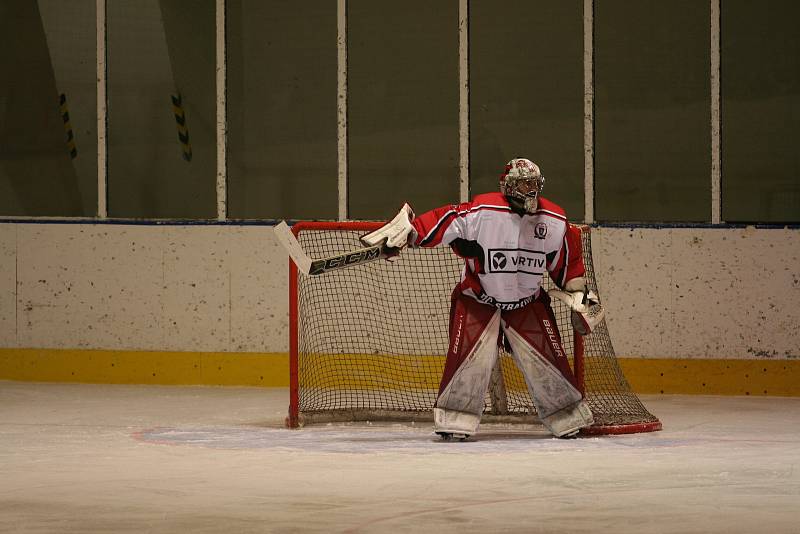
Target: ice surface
91,458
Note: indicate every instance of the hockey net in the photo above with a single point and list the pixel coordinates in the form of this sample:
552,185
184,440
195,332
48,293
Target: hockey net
367,343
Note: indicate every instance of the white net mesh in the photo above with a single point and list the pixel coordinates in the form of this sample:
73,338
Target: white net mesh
372,340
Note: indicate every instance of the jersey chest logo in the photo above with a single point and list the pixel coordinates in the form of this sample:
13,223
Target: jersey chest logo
513,260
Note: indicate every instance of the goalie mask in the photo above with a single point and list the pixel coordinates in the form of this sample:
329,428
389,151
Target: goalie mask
521,183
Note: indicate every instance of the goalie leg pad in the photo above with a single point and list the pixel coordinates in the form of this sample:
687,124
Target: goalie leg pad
397,233
568,421
536,325
468,369
558,403
550,390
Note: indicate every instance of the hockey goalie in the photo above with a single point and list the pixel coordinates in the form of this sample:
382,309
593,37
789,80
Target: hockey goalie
509,240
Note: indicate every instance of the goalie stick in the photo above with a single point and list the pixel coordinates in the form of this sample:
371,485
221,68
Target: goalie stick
312,267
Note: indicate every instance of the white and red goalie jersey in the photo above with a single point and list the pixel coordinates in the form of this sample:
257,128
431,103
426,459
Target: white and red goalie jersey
506,254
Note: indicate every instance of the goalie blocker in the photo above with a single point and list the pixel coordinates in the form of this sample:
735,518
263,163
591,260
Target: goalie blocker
395,234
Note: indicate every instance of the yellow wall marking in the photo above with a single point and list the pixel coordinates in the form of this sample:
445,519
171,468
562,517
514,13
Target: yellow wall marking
646,376
134,367
713,377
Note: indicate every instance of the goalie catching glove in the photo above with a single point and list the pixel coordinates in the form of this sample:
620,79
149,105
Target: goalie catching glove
394,235
587,312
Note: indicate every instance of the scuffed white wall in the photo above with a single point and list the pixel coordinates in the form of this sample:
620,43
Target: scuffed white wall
670,293
129,287
700,292
8,276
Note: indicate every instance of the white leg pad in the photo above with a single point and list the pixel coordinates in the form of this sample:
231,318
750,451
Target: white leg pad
454,422
558,403
569,420
467,389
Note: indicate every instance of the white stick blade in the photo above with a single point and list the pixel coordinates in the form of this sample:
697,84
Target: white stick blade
292,246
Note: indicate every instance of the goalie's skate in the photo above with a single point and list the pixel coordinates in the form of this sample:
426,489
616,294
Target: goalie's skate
567,422
450,436
450,424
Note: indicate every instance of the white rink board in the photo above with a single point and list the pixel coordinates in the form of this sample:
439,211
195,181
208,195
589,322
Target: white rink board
8,290
670,292
138,287
700,293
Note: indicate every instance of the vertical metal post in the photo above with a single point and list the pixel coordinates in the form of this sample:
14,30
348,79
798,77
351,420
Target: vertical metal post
293,419
463,99
102,112
222,125
588,111
341,105
716,116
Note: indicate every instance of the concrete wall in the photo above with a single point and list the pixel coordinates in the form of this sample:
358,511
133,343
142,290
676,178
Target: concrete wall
129,287
701,293
670,293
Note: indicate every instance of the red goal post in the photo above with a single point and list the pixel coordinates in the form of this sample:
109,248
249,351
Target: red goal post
367,343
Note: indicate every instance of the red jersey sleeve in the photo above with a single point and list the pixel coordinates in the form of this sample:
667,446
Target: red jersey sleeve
440,226
569,261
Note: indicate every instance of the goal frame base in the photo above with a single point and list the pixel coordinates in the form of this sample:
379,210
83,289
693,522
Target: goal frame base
631,428
387,416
